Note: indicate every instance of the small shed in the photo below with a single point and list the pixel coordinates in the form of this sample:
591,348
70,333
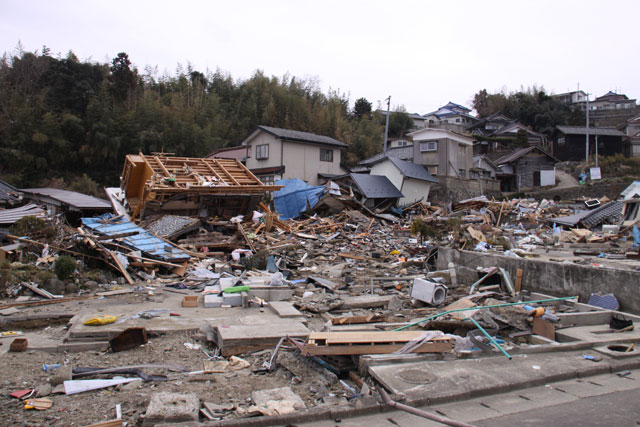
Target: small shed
373,191
526,168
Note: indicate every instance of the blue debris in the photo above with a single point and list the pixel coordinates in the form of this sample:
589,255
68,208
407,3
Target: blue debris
145,242
296,197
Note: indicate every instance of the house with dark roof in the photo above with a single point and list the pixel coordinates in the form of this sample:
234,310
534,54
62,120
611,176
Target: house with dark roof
274,153
413,181
526,168
402,153
570,142
497,132
443,152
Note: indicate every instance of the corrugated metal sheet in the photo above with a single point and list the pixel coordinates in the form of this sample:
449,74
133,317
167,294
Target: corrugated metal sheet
144,241
10,216
77,200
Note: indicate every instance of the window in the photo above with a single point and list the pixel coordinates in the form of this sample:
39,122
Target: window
262,151
457,120
267,179
428,146
462,172
326,155
433,170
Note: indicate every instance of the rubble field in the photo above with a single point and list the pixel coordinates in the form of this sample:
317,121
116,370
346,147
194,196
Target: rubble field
186,319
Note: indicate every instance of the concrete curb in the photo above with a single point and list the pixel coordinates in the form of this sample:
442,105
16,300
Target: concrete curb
455,396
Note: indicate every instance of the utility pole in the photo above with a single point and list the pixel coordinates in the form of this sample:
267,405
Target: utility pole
386,126
596,150
587,147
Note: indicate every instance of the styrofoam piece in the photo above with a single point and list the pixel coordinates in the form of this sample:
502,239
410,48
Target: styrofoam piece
234,300
213,300
80,386
431,293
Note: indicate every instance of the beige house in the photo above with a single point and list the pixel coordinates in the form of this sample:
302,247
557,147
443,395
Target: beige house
274,153
443,152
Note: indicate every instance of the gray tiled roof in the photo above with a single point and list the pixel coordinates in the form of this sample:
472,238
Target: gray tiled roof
296,135
375,186
9,193
77,200
511,157
411,170
580,130
403,153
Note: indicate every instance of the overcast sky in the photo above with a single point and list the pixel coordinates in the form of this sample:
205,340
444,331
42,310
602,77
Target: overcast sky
422,53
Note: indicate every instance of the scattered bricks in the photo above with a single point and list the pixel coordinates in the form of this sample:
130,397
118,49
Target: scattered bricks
172,408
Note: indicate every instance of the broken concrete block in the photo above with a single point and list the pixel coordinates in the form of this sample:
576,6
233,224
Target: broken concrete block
234,300
172,408
276,401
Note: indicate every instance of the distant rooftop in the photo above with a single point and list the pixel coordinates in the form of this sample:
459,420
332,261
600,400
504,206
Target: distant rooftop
582,130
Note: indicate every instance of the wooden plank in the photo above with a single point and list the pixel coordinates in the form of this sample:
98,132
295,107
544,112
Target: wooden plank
121,267
355,320
112,293
518,280
246,238
346,350
330,338
42,292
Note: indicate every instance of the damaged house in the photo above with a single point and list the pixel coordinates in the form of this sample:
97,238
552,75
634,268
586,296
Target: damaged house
160,184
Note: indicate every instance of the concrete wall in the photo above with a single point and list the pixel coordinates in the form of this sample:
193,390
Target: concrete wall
554,278
454,189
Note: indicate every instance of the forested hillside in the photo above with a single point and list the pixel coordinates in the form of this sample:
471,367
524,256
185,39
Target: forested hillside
62,118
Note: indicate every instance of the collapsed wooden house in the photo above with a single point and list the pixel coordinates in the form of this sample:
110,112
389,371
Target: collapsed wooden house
160,184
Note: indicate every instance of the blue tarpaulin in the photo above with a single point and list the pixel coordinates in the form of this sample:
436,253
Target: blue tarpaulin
296,197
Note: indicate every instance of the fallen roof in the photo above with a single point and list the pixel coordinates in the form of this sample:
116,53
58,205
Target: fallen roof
581,130
411,170
71,198
143,241
10,216
9,193
375,186
296,135
611,212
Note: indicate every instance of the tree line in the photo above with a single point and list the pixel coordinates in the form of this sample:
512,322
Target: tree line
70,123
66,121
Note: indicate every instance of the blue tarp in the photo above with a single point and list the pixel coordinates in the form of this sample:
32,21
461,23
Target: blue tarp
296,197
148,244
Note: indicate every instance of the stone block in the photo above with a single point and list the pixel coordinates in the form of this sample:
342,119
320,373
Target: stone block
172,408
212,300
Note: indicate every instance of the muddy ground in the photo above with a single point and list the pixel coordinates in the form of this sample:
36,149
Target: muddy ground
25,370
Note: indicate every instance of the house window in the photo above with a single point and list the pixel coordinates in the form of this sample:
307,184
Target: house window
326,155
457,120
428,146
433,170
561,140
267,179
262,151
462,172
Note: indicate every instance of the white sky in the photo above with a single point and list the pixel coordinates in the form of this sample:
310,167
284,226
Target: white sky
422,53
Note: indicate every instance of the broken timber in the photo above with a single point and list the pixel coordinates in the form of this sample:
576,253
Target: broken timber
353,343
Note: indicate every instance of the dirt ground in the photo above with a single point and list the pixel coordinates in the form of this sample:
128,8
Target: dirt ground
20,371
